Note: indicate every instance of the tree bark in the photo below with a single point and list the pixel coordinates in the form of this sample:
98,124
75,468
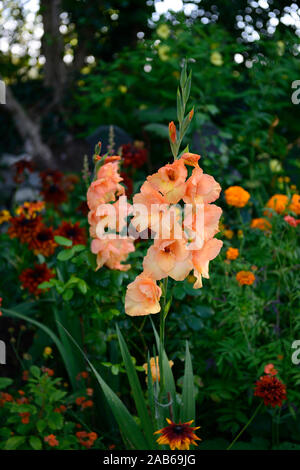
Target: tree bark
55,73
29,131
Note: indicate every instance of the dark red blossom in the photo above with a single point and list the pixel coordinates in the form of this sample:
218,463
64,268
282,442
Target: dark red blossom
31,278
73,232
134,155
271,390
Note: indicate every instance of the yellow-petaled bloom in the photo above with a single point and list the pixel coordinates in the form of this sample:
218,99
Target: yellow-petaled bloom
245,278
154,366
232,253
4,216
236,196
178,436
30,209
47,351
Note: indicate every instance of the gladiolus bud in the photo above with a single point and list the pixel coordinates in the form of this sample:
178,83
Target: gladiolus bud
191,114
172,132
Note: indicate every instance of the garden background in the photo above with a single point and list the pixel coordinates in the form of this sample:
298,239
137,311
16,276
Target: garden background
80,72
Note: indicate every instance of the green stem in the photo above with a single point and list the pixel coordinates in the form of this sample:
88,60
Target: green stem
162,333
245,427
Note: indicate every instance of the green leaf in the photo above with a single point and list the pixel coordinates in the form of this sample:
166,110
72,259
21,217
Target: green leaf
41,425
35,442
45,285
68,294
169,379
55,421
62,241
136,390
65,255
59,345
14,442
35,371
5,382
188,395
132,434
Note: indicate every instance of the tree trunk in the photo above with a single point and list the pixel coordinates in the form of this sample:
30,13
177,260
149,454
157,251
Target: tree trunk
55,73
29,131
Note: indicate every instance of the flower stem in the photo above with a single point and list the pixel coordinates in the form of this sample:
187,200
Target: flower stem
245,427
163,315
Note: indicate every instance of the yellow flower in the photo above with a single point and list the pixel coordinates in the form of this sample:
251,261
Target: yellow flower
123,88
232,253
163,31
163,52
275,166
47,351
240,234
154,366
245,278
236,196
4,216
216,59
280,47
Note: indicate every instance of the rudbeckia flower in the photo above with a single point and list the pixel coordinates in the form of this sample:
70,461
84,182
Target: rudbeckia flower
178,435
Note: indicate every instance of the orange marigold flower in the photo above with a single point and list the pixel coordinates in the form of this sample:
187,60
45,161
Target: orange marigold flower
236,196
261,224
73,232
232,253
31,278
178,436
51,440
270,369
43,243
245,278
271,390
228,234
278,203
295,204
172,131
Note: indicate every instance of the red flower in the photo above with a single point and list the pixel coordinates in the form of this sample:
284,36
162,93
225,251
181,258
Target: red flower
86,439
43,243
291,221
20,168
51,439
24,228
53,190
31,278
271,390
134,155
127,181
73,232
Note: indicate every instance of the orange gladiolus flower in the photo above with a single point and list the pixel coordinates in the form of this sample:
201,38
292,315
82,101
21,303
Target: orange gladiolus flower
168,258
201,188
142,296
190,159
202,257
236,196
170,181
154,366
